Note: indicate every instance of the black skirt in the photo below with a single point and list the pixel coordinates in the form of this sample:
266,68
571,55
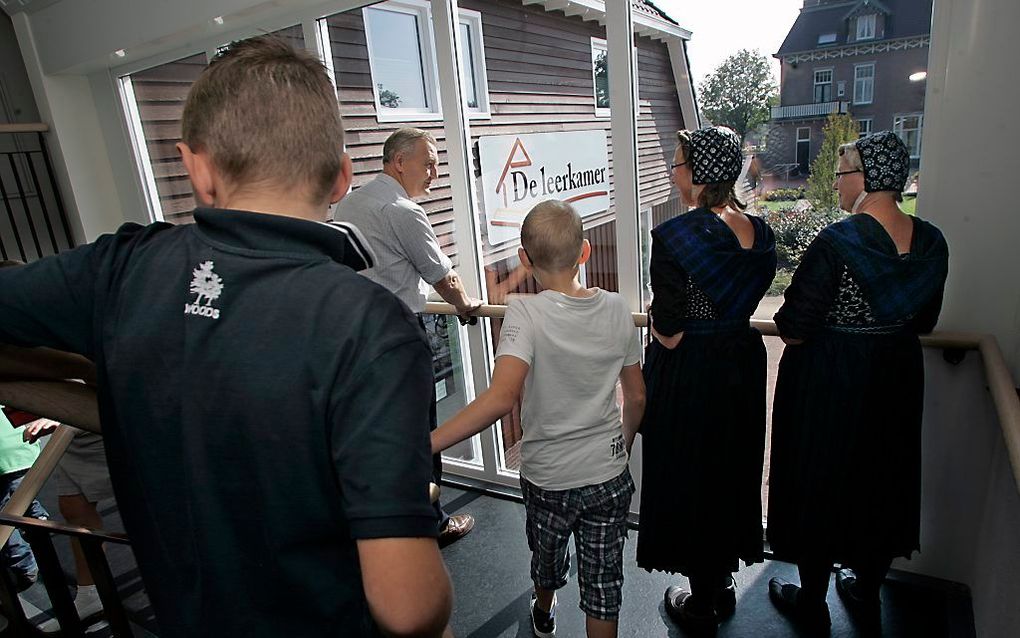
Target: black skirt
703,442
845,477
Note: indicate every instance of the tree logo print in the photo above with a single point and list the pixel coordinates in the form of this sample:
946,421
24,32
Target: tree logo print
205,283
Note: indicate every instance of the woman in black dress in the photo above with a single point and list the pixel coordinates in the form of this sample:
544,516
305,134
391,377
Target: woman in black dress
704,426
845,480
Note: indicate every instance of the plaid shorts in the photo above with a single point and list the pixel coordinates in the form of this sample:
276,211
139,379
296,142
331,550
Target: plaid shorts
597,516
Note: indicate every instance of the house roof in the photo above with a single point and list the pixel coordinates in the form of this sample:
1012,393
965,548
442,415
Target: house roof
648,8
905,18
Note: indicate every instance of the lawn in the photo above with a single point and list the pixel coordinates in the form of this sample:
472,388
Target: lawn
909,205
785,204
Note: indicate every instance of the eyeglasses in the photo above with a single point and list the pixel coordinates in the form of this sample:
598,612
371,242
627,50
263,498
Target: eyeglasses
672,166
840,173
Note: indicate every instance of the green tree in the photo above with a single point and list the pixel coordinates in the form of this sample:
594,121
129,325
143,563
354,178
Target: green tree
739,92
839,129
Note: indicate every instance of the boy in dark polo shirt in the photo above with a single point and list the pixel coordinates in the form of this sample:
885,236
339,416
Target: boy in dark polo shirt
265,409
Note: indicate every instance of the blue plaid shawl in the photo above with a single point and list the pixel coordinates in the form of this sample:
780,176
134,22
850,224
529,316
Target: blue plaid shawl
896,286
734,279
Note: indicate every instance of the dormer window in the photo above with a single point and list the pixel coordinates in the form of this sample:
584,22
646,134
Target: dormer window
827,38
866,26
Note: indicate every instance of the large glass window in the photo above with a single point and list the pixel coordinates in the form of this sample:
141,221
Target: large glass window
864,83
348,51
154,101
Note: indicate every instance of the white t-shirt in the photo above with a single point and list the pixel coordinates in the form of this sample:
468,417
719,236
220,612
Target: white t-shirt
576,348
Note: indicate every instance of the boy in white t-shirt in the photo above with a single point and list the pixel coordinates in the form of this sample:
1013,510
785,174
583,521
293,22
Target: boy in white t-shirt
563,350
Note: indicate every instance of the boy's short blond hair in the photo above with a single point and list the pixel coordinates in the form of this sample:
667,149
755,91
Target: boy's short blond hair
267,114
552,236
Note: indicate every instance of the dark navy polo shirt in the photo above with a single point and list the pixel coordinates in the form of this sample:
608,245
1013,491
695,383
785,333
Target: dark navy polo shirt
263,407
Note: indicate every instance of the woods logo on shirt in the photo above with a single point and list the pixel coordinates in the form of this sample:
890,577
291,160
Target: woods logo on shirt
207,285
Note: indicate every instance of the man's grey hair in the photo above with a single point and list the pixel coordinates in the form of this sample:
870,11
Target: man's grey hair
403,140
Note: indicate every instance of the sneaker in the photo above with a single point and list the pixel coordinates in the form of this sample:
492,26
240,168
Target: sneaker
785,597
543,623
679,609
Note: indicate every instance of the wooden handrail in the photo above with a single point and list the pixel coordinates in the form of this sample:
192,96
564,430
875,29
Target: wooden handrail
1000,382
35,127
33,480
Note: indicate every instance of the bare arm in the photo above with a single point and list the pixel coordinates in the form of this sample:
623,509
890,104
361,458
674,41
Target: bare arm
451,289
633,385
44,363
406,585
507,380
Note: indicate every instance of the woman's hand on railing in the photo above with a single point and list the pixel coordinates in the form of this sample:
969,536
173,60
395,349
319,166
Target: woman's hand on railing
669,343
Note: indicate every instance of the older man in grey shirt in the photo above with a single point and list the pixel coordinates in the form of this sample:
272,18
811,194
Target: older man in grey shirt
408,255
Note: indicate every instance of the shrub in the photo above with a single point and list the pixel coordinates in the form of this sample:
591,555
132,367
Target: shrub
784,194
780,283
796,230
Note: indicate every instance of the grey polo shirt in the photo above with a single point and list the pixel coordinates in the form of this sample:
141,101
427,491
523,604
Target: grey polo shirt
399,233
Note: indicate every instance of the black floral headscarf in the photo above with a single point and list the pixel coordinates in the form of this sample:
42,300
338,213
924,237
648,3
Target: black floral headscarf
886,162
715,155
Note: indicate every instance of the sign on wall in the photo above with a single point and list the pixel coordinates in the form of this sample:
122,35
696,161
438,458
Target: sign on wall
519,171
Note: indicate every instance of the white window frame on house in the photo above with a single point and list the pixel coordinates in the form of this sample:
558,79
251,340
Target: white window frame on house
865,126
867,26
796,145
814,91
861,82
420,10
827,38
475,47
898,122
597,45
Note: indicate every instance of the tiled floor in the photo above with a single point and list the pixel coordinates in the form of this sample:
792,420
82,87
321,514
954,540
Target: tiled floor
489,569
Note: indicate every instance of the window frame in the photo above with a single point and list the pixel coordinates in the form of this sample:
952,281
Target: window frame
862,22
825,39
476,48
426,42
858,80
871,126
816,84
898,130
599,44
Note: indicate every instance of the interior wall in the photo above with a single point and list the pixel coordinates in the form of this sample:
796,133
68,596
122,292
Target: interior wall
16,87
970,507
968,165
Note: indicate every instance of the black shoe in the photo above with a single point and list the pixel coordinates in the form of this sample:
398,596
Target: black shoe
543,624
846,586
785,597
867,609
726,600
680,611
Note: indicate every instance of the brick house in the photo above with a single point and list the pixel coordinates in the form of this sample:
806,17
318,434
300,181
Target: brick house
860,57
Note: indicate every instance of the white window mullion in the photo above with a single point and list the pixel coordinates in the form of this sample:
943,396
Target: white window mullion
477,356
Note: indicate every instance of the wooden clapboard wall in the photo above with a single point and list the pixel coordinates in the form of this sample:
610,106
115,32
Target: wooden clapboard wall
539,72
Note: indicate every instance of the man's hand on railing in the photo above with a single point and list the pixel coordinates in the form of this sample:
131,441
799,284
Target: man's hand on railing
464,312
